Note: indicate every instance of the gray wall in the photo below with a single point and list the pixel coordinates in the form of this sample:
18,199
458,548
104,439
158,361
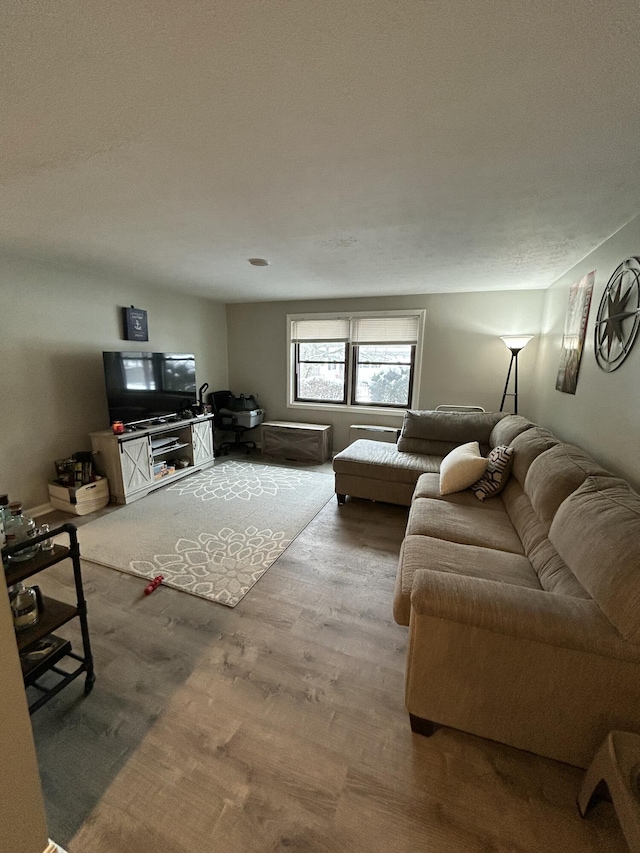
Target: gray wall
54,325
604,414
464,362
57,320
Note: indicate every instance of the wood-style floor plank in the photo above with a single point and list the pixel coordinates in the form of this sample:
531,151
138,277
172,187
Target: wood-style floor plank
279,725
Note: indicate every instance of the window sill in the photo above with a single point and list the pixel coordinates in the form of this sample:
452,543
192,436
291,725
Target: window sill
349,409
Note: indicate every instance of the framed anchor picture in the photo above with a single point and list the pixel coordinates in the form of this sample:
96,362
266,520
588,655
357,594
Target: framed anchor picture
134,321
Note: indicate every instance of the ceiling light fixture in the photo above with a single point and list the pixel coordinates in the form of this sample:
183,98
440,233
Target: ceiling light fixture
259,262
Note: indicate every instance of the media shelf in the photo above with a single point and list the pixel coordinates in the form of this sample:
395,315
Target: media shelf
130,460
40,649
169,448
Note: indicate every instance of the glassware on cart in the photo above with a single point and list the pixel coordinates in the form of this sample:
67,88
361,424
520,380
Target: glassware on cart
46,544
19,529
25,606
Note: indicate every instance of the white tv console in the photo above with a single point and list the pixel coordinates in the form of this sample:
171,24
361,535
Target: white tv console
131,460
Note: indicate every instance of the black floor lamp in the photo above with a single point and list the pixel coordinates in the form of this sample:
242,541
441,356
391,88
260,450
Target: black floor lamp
515,344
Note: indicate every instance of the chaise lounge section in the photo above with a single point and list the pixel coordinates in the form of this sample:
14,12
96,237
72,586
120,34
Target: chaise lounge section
381,471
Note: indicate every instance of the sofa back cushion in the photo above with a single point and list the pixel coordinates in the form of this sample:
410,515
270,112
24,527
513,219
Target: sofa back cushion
554,474
526,447
438,433
507,428
552,572
596,531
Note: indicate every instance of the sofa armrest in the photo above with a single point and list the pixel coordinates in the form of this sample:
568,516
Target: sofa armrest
531,614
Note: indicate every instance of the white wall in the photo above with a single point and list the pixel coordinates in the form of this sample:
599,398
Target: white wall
54,324
464,362
603,416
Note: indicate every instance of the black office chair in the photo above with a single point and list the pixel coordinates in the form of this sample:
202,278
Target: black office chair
227,421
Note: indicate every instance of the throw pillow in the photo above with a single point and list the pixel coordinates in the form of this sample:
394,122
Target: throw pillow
461,468
494,479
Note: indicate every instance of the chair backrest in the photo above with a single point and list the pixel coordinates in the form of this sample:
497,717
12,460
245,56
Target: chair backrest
218,400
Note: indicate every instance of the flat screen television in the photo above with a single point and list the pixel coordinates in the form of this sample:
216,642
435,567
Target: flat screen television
144,386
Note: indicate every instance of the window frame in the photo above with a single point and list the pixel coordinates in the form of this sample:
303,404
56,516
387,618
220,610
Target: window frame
298,362
350,369
354,373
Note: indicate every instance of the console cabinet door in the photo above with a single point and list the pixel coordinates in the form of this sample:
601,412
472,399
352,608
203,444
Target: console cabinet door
202,442
135,462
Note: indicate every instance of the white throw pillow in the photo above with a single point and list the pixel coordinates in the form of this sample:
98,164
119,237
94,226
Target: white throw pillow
461,468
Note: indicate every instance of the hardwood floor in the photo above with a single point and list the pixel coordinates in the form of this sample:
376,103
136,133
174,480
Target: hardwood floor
279,725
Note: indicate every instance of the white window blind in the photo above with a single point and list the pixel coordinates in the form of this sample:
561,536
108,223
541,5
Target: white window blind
332,329
359,330
386,330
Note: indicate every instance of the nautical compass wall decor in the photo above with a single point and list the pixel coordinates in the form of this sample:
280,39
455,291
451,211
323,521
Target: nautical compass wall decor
618,316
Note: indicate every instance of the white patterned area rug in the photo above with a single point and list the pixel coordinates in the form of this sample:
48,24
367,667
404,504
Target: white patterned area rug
213,534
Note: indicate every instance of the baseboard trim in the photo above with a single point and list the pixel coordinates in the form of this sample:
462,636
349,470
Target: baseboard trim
35,511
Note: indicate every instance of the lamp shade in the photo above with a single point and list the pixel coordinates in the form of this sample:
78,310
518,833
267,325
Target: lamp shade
516,342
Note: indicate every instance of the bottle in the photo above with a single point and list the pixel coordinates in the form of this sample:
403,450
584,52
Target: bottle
5,515
47,544
24,606
20,529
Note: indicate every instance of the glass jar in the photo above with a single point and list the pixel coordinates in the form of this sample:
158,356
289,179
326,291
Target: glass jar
20,529
5,515
46,544
24,606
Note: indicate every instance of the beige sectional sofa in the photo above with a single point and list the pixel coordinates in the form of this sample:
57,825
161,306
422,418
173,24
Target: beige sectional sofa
523,609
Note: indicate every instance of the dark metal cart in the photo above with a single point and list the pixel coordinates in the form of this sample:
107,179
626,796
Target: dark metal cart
41,651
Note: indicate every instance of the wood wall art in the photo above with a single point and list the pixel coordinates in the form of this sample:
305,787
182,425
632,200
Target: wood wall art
575,327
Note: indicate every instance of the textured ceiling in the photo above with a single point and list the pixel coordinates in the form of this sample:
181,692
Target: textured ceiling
365,147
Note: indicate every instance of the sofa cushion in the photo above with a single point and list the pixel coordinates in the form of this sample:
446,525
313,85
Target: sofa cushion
507,429
596,531
461,468
381,460
552,572
469,525
428,486
523,516
526,446
440,432
494,479
554,474
424,552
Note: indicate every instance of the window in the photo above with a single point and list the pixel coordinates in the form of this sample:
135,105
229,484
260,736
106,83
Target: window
356,360
321,371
